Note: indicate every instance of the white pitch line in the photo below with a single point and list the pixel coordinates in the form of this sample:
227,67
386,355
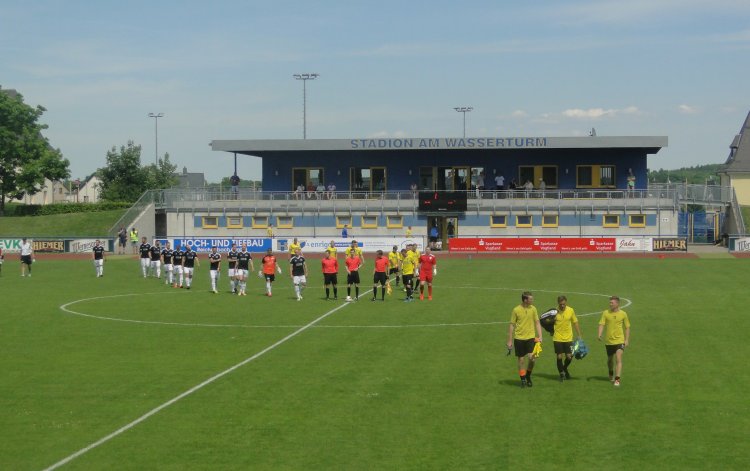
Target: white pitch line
210,380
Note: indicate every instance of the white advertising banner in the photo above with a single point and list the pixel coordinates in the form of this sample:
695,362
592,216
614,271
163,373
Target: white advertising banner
634,244
82,245
742,244
367,244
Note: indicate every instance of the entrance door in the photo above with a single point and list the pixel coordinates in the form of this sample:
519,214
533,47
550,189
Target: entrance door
447,227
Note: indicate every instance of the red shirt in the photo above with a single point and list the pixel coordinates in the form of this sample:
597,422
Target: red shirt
427,262
269,264
330,265
381,264
353,263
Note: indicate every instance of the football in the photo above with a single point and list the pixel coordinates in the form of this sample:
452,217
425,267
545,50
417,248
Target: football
348,298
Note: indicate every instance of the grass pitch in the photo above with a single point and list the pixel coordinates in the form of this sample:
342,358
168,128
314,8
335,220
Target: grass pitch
373,385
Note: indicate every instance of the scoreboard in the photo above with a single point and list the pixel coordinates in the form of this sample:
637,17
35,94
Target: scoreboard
442,201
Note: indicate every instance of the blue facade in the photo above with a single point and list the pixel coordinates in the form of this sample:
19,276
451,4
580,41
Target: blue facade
278,165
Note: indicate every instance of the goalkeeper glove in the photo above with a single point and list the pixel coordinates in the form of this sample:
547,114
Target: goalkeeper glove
278,268
434,271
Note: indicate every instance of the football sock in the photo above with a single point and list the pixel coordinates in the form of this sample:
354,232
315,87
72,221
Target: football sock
522,374
349,291
528,373
567,363
328,292
611,373
382,293
429,290
560,367
617,378
335,292
356,290
296,289
268,286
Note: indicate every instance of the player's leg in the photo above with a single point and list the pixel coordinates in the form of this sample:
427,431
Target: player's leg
157,266
144,267
421,290
529,368
560,366
335,289
618,371
568,360
611,367
429,289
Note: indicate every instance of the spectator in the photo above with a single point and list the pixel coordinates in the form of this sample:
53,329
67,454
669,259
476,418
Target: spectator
480,183
331,191
631,181
433,236
345,232
299,192
234,180
542,187
450,230
310,190
499,182
320,191
269,230
122,238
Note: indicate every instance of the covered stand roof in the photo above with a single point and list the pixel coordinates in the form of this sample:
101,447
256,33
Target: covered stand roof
739,151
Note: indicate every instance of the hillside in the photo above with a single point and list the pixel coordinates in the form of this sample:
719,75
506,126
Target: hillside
94,224
698,174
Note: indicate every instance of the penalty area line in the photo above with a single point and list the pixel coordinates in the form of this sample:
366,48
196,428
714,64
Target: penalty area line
190,391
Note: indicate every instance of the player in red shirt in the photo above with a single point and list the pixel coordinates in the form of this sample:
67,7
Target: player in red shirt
330,274
353,262
427,268
269,266
380,275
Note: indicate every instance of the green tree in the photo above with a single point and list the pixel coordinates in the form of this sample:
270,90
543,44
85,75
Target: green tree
161,176
26,157
123,179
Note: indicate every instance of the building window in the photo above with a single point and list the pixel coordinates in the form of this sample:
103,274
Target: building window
550,220
210,222
234,222
536,173
367,179
369,222
309,178
637,220
499,220
260,222
595,176
284,222
343,220
523,220
610,220
394,222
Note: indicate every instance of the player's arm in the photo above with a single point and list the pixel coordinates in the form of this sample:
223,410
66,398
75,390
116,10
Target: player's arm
599,333
252,265
511,329
305,265
627,336
578,329
538,329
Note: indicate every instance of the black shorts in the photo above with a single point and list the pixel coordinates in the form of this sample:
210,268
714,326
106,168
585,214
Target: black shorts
352,278
392,271
612,349
407,279
523,347
122,242
271,277
380,277
563,347
330,279
26,259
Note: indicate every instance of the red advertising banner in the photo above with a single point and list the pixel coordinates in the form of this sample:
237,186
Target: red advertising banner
533,244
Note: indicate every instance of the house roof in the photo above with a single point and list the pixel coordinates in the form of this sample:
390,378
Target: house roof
739,151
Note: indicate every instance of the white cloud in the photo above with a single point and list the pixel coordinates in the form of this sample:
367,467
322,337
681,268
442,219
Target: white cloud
519,114
597,113
687,109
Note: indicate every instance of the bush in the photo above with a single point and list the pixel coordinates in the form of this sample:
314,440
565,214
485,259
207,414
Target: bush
62,208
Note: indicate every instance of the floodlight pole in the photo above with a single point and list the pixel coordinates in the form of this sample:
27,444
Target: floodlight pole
305,78
464,110
156,117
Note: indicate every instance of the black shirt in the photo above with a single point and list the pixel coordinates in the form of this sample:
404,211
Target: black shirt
215,259
144,249
190,257
177,257
155,253
98,252
166,255
243,260
298,265
232,258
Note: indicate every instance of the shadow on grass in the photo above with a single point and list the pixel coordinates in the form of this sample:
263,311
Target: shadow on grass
598,378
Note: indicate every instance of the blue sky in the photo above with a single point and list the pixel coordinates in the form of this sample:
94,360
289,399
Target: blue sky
223,70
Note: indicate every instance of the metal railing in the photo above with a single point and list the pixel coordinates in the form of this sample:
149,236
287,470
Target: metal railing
737,213
147,198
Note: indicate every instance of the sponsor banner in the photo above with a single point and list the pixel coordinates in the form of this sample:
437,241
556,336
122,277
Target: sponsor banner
81,245
367,244
48,246
10,245
223,244
669,244
741,245
533,244
634,244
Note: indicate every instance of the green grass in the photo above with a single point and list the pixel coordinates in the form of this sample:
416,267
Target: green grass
349,393
94,224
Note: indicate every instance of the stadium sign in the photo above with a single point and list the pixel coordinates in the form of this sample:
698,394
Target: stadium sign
451,143
81,245
533,244
48,246
669,245
10,245
223,244
741,245
367,244
634,244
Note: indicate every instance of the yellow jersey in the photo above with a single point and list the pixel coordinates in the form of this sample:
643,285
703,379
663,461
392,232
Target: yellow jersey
408,233
293,248
393,259
332,250
407,265
525,319
357,251
564,321
613,323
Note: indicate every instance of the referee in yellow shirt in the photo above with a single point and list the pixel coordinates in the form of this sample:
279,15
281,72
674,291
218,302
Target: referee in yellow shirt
562,339
616,338
524,319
